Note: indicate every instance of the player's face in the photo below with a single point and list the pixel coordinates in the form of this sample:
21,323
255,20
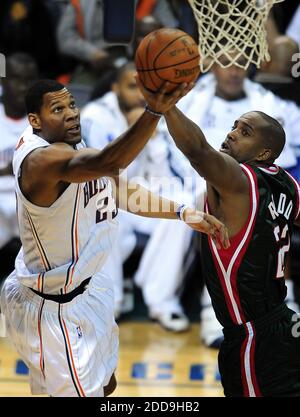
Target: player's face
230,81
244,141
59,118
127,91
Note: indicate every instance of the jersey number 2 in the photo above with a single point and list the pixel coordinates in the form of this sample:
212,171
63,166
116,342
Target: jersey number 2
282,250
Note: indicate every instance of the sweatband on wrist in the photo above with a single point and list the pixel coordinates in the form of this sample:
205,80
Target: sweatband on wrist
180,211
154,113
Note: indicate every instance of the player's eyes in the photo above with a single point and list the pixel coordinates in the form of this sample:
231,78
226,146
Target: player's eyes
57,109
73,105
245,132
233,127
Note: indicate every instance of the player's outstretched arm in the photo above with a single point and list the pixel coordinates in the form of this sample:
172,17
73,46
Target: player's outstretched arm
220,170
138,200
63,163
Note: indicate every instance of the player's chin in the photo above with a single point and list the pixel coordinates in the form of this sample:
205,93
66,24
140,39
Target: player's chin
73,138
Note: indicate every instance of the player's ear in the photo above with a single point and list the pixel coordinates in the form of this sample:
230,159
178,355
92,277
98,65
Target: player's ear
34,120
264,155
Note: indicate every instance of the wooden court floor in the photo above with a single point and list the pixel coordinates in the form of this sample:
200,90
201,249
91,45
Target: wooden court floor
153,363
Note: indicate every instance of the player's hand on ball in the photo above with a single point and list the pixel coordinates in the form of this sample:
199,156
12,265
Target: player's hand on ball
206,223
162,101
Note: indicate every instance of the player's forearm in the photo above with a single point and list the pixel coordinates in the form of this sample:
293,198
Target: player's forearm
138,200
122,151
187,136
89,164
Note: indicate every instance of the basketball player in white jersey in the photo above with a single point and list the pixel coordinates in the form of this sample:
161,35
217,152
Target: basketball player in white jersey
21,72
58,304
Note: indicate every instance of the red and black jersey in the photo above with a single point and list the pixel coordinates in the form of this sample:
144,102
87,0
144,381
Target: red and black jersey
246,281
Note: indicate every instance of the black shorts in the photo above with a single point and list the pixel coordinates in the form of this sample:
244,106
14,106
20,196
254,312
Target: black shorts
262,357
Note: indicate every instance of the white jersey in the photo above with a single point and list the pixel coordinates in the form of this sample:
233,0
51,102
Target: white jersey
69,241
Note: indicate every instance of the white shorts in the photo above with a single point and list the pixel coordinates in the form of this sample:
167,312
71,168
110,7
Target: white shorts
71,349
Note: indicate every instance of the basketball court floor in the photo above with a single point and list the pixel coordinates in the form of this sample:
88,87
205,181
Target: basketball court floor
153,363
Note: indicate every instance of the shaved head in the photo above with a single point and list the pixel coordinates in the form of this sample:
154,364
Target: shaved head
273,134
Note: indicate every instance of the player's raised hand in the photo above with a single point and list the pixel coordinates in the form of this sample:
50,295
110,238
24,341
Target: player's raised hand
162,100
208,224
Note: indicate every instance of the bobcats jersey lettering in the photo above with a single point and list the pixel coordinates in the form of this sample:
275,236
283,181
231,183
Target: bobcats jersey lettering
78,214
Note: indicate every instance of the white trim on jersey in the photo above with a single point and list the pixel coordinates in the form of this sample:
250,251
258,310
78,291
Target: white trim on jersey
227,273
247,360
297,192
272,170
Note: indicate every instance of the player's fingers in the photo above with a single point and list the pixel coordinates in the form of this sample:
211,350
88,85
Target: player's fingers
182,90
140,85
213,221
224,237
221,230
163,89
215,240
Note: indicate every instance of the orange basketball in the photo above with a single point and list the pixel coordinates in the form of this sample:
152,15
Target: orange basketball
167,55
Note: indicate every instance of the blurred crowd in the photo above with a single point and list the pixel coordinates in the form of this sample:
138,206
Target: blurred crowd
63,40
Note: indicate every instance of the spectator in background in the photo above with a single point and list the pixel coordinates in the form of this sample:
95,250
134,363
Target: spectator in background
293,29
80,36
143,27
161,9
27,26
279,68
170,13
277,74
21,72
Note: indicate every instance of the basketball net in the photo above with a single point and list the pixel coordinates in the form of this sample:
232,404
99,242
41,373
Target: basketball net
232,29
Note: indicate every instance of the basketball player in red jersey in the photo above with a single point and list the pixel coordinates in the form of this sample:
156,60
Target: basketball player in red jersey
259,202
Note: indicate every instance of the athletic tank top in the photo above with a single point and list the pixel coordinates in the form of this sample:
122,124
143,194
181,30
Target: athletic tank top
69,241
246,281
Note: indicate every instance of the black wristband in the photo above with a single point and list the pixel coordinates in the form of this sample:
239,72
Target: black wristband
155,113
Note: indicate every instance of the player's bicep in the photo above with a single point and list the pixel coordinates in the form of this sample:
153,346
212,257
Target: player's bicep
220,170
59,162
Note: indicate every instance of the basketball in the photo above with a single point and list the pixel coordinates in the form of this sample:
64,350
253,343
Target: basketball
167,55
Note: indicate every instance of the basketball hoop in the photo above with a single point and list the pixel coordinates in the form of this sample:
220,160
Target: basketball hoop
232,31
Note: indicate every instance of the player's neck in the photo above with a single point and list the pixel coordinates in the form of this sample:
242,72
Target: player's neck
260,164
